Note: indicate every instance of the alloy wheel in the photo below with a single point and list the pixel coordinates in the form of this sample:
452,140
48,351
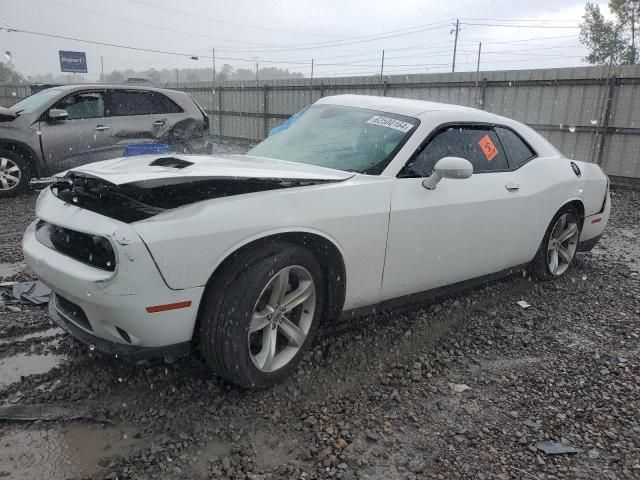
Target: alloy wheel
10,174
282,318
562,244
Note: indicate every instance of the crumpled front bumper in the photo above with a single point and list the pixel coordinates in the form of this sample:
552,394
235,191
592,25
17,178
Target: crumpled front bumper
114,303
66,322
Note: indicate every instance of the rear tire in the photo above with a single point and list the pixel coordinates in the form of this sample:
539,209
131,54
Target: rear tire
559,245
260,317
15,174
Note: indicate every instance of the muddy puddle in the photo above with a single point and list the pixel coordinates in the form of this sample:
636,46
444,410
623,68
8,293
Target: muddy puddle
14,367
56,454
43,334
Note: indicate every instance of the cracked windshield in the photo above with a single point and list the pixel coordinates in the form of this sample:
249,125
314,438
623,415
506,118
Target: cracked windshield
315,240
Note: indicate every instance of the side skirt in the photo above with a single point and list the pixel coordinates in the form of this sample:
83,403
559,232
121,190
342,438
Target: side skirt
428,296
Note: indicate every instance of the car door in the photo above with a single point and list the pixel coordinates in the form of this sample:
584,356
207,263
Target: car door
82,137
460,230
141,116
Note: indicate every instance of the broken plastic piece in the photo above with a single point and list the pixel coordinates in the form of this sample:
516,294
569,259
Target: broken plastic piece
33,292
523,304
557,448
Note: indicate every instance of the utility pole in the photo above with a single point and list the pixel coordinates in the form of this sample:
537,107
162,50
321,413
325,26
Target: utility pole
177,78
257,73
455,45
312,71
101,69
478,74
213,58
382,68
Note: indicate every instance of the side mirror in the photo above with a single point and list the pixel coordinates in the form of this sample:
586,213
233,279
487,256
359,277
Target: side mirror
448,167
56,114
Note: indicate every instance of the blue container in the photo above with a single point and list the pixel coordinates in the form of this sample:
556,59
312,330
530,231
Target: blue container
144,149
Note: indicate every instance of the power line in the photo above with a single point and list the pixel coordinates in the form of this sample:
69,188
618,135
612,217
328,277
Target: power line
157,27
229,22
519,19
526,39
518,26
268,47
140,49
353,40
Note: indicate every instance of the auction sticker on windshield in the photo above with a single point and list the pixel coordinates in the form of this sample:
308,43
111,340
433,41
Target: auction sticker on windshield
390,123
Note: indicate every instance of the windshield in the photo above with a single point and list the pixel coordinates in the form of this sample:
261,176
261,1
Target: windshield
36,101
344,138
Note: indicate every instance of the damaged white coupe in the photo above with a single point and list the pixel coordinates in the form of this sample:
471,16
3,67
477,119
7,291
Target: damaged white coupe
358,202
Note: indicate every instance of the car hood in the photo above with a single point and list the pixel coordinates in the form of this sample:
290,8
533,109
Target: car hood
137,188
7,115
156,170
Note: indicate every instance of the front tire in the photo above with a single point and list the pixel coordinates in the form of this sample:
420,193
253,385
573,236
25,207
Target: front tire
261,316
14,173
559,245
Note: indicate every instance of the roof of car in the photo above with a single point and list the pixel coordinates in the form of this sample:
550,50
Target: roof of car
400,106
87,86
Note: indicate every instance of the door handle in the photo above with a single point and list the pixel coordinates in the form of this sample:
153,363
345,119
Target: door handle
101,128
158,123
512,186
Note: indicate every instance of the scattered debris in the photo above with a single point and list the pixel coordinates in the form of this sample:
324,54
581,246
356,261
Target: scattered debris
459,387
523,304
31,413
556,448
535,426
34,292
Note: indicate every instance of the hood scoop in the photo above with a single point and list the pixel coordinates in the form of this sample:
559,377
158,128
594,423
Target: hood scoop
170,162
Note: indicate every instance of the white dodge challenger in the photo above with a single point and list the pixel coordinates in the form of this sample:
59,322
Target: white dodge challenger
358,201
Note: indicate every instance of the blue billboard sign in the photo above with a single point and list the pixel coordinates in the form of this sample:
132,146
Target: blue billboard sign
74,62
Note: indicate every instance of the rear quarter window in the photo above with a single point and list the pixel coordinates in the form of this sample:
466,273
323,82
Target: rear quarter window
517,151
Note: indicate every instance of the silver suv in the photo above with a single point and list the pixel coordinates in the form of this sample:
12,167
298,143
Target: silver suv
63,127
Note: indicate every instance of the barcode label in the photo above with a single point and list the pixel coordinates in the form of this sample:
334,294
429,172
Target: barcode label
390,123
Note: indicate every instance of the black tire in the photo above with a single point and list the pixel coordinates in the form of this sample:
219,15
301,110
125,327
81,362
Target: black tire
12,161
540,267
228,306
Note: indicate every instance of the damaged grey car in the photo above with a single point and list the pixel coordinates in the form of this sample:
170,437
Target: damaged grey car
65,127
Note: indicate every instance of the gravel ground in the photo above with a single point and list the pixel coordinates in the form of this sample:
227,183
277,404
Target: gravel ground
462,388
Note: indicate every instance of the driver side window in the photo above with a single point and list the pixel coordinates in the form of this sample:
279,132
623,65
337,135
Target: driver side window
478,145
82,105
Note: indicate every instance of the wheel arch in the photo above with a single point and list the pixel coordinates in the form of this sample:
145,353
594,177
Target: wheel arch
325,250
578,204
26,152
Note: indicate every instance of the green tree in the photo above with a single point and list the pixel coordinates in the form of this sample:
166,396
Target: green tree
9,75
225,74
611,41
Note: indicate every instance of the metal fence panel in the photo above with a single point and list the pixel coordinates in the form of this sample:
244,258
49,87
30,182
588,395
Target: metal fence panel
583,111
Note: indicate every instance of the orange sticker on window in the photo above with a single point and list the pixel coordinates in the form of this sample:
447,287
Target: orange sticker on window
487,146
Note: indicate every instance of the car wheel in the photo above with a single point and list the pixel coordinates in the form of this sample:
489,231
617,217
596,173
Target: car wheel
261,316
559,245
14,174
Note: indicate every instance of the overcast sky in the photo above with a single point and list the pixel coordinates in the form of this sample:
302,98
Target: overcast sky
342,36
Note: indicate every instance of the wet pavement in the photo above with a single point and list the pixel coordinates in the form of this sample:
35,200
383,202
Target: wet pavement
464,387
15,367
68,451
